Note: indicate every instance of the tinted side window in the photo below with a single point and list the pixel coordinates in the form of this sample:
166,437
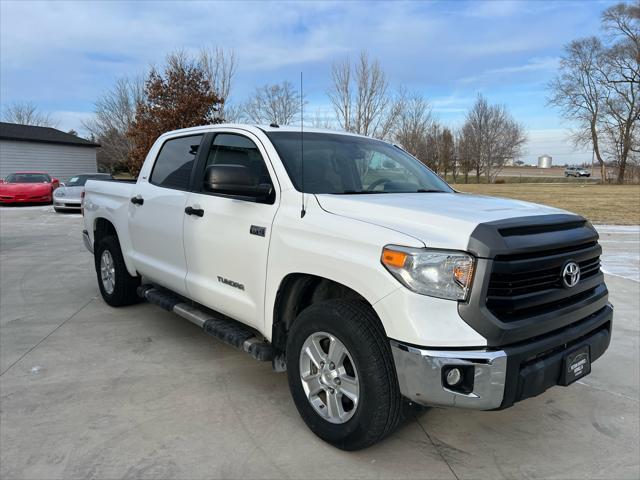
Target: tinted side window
230,149
175,162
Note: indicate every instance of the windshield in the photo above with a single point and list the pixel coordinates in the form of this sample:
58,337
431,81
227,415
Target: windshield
80,180
346,164
28,178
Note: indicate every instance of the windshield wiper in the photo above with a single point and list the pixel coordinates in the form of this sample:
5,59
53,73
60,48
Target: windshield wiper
427,190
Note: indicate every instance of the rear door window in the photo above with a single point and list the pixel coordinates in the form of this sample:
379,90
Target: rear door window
175,162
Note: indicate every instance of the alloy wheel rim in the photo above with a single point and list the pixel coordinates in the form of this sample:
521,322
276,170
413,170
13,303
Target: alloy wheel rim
329,377
107,272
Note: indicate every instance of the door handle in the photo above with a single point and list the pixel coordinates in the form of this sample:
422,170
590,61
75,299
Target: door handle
198,212
137,200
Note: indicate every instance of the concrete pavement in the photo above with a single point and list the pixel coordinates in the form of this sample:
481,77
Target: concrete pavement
87,391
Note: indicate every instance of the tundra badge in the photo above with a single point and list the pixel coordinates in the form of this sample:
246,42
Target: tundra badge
231,283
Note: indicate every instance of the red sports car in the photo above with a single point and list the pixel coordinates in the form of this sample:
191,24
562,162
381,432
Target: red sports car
27,187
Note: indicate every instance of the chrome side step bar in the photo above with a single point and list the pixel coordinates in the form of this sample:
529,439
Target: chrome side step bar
229,331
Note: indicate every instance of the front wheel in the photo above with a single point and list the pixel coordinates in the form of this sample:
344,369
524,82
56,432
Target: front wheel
341,374
117,287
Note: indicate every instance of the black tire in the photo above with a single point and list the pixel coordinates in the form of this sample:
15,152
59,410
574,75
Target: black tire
356,325
125,286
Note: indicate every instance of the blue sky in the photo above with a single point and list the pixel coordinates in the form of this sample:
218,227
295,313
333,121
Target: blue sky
63,55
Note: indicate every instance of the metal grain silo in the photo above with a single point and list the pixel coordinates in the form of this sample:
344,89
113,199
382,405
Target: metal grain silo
544,161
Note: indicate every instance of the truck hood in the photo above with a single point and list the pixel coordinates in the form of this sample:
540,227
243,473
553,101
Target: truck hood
439,220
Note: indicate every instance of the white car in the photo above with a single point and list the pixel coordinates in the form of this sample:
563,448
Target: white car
349,264
576,172
68,196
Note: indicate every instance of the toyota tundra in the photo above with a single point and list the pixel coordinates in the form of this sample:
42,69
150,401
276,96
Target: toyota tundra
350,265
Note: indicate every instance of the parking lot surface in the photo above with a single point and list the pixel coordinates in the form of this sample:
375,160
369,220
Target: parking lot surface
88,391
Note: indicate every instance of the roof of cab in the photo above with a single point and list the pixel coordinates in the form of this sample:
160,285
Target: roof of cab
254,128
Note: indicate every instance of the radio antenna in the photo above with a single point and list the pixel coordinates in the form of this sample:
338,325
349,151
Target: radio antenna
303,211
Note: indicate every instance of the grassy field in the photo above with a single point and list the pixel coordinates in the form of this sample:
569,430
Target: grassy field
528,179
612,204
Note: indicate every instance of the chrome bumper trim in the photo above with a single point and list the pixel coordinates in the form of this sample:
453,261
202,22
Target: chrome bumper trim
420,376
87,241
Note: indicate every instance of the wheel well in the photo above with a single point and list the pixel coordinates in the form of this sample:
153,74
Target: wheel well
297,291
103,228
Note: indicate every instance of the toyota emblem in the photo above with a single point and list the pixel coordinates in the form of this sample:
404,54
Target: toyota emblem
571,274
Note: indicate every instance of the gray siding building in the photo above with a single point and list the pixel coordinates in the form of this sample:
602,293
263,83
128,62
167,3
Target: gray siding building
60,154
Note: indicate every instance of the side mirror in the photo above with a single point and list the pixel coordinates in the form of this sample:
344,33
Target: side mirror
235,181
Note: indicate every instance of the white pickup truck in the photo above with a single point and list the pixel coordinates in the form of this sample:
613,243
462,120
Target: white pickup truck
346,262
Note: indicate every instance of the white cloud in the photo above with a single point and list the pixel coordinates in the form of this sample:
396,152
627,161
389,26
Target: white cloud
534,65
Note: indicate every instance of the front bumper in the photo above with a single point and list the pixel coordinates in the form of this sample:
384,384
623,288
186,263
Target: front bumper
6,199
498,378
66,204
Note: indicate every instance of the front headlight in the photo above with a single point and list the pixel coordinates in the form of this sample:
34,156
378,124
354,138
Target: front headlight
58,193
437,273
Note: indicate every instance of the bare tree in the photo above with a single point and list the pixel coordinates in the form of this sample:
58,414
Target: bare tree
622,20
27,113
414,121
598,87
430,154
115,111
446,153
459,162
621,77
234,113
465,154
492,136
278,103
322,120
340,94
360,97
220,67
576,90
422,135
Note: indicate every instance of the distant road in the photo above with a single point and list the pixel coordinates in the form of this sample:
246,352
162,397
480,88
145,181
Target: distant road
540,172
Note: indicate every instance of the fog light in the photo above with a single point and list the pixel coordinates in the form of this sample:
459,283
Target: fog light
454,376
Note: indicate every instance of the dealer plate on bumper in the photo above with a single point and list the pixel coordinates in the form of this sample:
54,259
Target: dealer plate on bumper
577,364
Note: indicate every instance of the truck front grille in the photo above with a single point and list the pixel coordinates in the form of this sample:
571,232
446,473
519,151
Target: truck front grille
530,284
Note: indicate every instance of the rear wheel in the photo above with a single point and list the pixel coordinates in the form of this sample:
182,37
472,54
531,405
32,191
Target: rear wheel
117,287
341,374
